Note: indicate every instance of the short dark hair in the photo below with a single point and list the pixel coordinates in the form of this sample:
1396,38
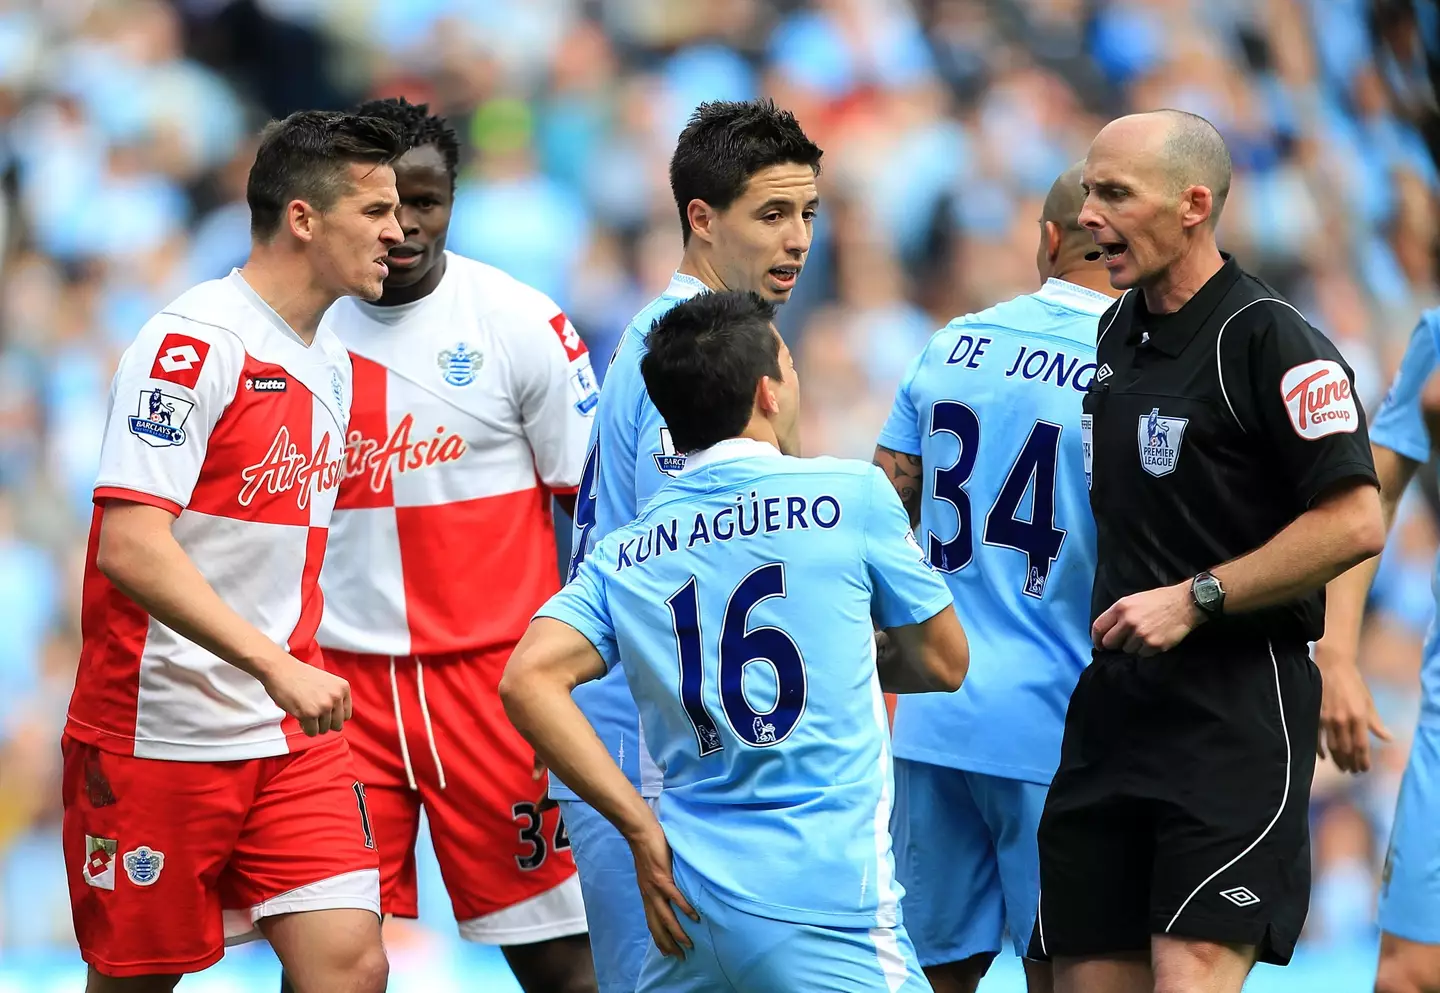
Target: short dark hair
703,360
419,127
727,142
305,157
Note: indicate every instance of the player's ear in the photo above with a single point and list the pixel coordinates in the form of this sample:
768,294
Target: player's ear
702,218
300,218
767,396
1052,241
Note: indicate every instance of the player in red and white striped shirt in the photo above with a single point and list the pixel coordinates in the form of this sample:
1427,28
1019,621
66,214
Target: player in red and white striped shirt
473,401
204,798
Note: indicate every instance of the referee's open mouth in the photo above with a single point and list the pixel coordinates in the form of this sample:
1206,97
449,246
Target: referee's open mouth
1114,252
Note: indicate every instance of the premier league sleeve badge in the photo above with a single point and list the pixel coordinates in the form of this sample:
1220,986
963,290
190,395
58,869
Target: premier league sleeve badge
159,419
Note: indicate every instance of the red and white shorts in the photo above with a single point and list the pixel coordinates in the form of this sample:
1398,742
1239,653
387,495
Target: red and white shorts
429,730
167,860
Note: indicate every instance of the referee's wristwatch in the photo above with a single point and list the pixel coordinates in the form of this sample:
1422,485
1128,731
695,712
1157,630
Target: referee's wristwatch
1208,594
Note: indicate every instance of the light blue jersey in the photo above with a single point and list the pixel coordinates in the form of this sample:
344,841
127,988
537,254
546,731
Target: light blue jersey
630,458
993,408
742,602
1399,425
1410,890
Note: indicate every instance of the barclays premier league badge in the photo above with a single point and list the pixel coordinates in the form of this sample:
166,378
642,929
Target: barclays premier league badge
460,365
159,420
1159,439
143,865
666,460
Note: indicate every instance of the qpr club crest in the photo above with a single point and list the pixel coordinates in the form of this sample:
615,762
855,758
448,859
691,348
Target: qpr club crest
159,419
143,865
1159,439
460,364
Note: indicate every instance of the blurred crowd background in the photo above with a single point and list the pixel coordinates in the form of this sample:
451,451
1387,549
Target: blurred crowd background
126,131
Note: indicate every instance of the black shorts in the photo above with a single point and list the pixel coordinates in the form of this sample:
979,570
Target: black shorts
1180,804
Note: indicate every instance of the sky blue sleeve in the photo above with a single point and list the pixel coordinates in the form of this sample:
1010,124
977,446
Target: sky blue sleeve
901,432
1399,424
583,605
905,589
655,459
615,434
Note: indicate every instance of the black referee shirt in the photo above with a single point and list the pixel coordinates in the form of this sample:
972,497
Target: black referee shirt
1207,432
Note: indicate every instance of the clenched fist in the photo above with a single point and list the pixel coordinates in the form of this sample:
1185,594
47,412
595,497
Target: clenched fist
1148,623
319,700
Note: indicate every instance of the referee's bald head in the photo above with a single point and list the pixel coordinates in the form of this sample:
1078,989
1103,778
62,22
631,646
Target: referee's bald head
1179,149
1155,185
1195,155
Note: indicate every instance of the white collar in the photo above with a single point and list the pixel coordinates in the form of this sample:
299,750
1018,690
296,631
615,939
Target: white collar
730,448
684,286
237,280
1074,296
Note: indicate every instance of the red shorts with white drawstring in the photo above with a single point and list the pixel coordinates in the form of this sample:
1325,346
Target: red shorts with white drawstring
430,731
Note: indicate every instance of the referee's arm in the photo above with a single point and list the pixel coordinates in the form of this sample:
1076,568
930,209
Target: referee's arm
1332,477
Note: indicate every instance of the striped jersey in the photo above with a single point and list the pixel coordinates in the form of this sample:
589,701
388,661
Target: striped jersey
472,407
223,416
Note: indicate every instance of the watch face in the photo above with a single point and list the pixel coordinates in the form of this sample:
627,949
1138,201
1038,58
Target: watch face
1207,591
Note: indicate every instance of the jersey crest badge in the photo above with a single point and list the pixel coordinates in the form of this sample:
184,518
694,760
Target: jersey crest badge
99,868
1159,439
666,460
159,420
143,865
460,364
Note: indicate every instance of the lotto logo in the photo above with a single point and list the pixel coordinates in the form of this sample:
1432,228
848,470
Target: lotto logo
179,357
569,337
1318,399
180,360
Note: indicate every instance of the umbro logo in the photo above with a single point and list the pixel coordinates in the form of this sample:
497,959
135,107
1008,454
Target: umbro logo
1240,896
1104,373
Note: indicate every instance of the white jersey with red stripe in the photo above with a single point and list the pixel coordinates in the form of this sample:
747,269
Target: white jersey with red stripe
222,415
472,406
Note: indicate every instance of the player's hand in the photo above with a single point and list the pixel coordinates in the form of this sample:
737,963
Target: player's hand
1347,713
659,892
1148,623
319,700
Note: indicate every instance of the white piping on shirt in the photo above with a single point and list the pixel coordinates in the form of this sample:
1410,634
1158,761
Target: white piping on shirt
400,726
429,728
1220,367
1105,330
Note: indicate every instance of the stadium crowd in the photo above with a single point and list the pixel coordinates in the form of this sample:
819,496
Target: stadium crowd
126,133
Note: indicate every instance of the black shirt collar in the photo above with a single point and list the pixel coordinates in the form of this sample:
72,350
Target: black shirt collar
1170,333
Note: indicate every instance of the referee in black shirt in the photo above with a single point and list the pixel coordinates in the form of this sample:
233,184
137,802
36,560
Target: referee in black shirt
1231,478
